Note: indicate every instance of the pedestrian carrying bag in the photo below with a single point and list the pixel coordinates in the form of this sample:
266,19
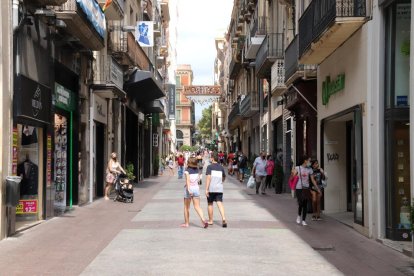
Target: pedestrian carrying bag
251,183
306,195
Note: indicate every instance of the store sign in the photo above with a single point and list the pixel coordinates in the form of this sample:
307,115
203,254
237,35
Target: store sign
27,206
49,161
144,33
171,101
100,109
331,87
117,76
64,98
32,100
94,14
155,140
15,154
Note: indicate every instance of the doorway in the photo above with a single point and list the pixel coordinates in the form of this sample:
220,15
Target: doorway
99,159
341,158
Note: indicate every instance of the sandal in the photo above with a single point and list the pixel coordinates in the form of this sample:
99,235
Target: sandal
210,223
184,225
224,224
205,224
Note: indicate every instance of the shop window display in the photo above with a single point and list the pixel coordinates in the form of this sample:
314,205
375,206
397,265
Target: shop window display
28,170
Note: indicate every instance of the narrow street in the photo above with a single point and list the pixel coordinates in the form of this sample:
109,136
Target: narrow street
145,238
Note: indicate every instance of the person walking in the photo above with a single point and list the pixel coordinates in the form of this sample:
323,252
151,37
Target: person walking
171,165
318,175
242,164
112,169
192,193
305,173
270,165
230,164
259,172
180,165
215,176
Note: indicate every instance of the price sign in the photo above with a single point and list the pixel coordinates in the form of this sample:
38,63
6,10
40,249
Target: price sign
27,206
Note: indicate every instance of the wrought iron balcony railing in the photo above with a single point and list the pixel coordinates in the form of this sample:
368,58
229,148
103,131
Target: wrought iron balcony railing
320,15
271,49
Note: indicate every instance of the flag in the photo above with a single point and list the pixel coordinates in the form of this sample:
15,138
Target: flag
107,3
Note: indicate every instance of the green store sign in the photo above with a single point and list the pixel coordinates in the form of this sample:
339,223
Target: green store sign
331,87
64,98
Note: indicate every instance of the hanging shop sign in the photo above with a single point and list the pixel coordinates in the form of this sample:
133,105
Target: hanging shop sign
15,154
331,87
144,33
94,14
34,100
117,75
100,109
203,94
64,98
155,140
171,101
49,161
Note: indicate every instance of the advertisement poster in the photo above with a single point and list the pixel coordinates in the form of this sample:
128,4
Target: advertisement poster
27,207
61,144
15,154
49,161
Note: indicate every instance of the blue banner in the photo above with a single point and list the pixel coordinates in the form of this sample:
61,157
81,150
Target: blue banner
94,14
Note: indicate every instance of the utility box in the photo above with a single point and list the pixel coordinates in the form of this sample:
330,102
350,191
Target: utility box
12,190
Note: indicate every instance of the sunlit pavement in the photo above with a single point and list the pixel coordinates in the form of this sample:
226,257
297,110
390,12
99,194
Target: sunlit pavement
145,238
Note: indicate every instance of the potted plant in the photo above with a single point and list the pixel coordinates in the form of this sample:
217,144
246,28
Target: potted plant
129,169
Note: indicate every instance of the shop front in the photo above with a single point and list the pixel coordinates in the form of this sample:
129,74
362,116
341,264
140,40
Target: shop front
98,146
65,151
31,149
396,119
342,97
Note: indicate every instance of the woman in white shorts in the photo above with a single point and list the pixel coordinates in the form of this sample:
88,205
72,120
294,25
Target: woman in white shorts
192,193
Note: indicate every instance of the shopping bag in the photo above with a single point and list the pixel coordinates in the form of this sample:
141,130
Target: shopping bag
292,182
251,183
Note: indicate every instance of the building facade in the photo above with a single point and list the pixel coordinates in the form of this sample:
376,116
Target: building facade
184,116
334,84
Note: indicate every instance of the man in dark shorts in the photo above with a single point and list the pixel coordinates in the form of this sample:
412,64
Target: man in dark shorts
215,175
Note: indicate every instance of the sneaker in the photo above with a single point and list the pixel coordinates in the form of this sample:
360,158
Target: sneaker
319,218
304,223
298,220
314,218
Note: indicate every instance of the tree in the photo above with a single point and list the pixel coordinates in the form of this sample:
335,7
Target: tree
204,125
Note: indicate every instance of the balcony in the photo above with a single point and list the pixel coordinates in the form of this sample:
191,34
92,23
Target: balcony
271,49
125,49
235,64
84,22
294,70
249,106
326,25
108,78
165,11
278,77
234,116
115,11
255,37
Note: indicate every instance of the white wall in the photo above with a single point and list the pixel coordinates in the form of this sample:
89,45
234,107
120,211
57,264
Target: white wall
335,143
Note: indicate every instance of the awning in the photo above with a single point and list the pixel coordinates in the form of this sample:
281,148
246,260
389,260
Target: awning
155,106
143,87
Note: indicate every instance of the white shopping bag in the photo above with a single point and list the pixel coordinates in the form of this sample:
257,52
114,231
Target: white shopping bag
251,183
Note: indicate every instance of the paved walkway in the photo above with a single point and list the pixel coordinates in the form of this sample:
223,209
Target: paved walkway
144,238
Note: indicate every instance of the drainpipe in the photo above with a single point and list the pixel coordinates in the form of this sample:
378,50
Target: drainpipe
91,146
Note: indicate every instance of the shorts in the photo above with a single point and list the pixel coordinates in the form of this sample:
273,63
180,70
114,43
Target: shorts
194,190
215,197
242,170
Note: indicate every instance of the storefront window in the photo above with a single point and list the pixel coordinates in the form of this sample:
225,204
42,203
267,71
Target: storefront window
28,156
398,54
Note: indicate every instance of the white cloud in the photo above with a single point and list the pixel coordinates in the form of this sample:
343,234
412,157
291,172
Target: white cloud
199,23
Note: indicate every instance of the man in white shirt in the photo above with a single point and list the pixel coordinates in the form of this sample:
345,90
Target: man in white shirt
259,172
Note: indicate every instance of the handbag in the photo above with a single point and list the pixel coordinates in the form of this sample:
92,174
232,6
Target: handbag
293,180
251,183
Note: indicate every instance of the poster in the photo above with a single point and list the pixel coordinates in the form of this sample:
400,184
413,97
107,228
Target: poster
60,169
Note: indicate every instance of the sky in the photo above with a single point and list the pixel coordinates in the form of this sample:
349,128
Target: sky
199,23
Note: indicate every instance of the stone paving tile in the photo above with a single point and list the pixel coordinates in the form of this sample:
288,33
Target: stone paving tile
204,252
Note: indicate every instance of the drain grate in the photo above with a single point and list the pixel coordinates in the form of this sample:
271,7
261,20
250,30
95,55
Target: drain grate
324,248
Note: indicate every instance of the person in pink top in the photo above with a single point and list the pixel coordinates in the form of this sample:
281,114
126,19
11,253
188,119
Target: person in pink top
270,165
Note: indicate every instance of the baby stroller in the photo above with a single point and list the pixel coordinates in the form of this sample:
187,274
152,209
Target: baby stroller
124,189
